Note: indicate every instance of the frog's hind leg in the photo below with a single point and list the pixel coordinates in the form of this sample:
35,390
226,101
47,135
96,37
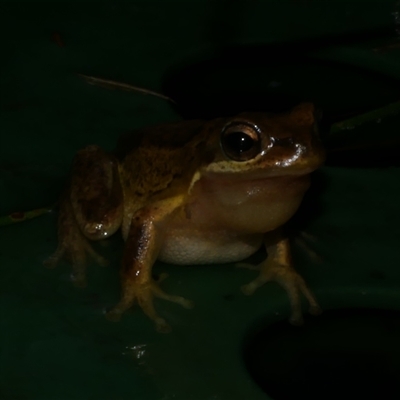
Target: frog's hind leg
72,245
95,193
278,267
90,208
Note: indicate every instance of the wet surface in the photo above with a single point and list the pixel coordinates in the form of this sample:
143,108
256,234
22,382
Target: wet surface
343,354
55,340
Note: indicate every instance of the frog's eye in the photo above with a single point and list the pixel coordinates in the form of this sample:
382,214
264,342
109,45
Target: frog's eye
240,141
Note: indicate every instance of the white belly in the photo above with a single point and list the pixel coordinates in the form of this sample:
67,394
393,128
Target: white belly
211,248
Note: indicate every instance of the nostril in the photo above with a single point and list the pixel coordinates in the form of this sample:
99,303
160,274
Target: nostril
284,142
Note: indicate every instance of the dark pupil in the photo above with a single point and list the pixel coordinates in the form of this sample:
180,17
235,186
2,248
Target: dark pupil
239,142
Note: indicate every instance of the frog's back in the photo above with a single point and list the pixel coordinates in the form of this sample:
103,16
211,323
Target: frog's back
164,157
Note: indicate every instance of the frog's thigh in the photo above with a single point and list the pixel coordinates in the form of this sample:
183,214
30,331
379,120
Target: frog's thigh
278,267
141,251
72,245
95,193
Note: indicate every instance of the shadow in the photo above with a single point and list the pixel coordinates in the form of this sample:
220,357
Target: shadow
311,207
346,354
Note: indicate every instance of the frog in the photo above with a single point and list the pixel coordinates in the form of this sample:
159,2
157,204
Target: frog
193,192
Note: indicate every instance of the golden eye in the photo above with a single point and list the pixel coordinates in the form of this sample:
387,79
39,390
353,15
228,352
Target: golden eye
240,141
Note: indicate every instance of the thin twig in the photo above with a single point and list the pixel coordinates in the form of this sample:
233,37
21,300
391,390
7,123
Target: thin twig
109,84
24,215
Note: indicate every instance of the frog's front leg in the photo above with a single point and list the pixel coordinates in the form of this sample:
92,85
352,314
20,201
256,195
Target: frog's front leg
278,267
144,241
90,208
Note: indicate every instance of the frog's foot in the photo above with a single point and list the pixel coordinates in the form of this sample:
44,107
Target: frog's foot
251,267
76,251
144,294
292,282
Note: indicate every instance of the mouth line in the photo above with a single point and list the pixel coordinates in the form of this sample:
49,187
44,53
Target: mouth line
276,179
284,172
264,179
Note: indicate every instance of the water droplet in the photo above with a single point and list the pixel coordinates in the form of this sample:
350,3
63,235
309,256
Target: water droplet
138,351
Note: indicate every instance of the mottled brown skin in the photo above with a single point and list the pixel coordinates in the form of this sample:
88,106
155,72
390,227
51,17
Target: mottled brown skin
178,196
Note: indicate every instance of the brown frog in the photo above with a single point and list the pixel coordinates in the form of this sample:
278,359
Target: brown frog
194,192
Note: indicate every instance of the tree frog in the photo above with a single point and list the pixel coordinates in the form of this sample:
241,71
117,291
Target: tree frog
193,192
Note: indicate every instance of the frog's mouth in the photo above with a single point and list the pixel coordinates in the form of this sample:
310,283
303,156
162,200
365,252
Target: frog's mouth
263,173
273,186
